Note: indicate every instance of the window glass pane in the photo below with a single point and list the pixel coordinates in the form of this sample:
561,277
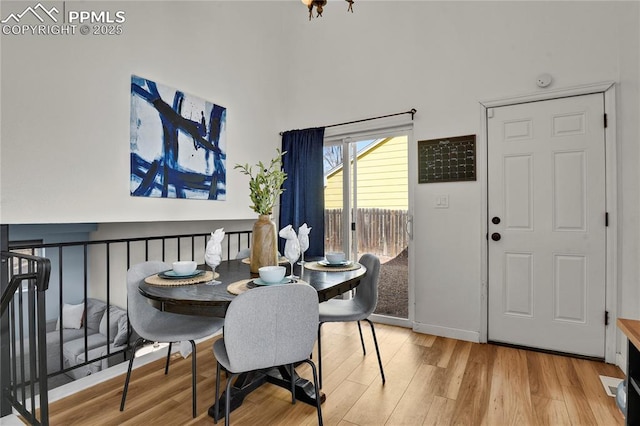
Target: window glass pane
333,197
379,202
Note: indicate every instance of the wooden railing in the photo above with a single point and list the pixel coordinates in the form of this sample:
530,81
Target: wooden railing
380,231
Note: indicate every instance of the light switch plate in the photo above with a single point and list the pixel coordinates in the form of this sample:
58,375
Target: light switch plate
442,202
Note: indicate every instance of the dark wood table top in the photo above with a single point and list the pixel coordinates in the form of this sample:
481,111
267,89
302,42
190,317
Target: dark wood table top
212,300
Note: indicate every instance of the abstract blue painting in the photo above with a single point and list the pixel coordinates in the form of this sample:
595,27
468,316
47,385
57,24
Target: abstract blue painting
178,144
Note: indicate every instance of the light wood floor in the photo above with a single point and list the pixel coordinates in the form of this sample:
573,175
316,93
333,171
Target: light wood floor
430,381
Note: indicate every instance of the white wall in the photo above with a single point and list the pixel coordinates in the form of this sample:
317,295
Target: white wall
66,104
628,171
65,108
443,58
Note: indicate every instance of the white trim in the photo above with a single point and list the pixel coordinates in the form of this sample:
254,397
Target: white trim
611,286
452,333
379,130
481,169
586,89
621,361
608,88
395,321
413,179
621,357
353,194
347,236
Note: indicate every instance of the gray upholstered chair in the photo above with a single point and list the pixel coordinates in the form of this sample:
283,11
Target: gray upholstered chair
243,253
268,327
356,309
153,325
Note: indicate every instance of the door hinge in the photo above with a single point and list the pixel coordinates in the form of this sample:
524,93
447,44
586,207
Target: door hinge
606,218
606,317
605,121
353,226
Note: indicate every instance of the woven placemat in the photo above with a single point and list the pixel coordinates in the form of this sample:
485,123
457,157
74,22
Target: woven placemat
159,281
315,266
244,285
238,287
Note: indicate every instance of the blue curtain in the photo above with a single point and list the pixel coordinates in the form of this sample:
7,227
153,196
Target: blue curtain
303,198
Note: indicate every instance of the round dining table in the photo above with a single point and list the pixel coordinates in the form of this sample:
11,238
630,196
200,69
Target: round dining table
206,299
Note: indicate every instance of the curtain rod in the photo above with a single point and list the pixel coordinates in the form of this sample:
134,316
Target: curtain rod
412,111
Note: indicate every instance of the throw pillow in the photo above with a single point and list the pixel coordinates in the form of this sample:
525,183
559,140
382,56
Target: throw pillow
71,316
123,331
114,315
95,311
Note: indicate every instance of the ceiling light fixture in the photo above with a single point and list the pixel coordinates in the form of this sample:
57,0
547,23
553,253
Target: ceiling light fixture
319,5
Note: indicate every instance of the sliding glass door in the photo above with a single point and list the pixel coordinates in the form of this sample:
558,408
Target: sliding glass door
367,211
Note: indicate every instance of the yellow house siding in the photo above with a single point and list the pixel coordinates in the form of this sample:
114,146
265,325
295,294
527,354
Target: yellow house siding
382,178
333,191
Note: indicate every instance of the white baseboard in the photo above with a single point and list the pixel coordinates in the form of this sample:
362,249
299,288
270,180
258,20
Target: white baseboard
398,322
11,420
621,361
453,333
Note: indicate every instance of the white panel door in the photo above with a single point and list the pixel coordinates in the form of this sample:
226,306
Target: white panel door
547,231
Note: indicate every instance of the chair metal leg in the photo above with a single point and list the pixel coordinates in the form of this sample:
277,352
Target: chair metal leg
193,376
292,372
364,351
217,411
227,401
166,365
319,356
375,341
317,390
137,343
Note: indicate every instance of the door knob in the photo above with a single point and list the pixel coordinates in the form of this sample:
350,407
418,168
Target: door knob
495,220
496,236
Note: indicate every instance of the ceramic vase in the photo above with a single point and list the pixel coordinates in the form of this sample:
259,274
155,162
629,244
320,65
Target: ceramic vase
264,243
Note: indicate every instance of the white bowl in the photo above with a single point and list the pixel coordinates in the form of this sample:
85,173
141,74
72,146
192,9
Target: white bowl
335,257
184,267
272,274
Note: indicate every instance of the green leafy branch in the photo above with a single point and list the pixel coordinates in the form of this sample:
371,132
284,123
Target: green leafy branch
265,186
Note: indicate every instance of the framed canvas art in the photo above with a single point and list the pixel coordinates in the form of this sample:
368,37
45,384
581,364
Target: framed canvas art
178,143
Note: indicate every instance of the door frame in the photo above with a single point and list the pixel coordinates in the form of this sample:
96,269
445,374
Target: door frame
608,89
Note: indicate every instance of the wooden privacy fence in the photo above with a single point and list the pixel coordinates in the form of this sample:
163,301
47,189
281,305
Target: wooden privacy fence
380,231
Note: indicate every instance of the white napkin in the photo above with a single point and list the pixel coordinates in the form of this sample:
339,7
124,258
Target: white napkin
185,348
292,246
303,237
213,252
